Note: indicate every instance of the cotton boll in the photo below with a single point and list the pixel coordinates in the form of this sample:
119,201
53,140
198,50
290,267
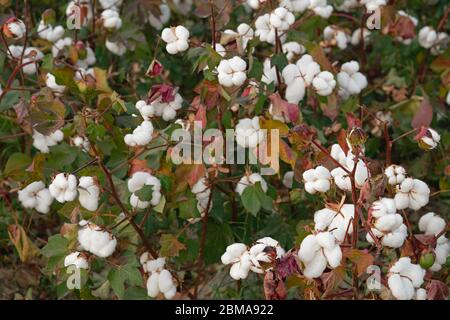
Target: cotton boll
141,136
237,255
249,133
116,47
165,281
81,142
295,5
357,35
269,73
308,248
176,39
111,19
110,4
158,22
51,83
14,28
76,259
64,187
49,32
248,180
338,154
404,277
42,143
337,223
336,37
30,54
324,83
395,174
350,80
36,196
420,294
232,72
153,285
432,224
429,139
281,18
157,108
412,193
321,8
288,179
293,49
137,182
94,239
317,180
88,193
295,92
427,37
401,288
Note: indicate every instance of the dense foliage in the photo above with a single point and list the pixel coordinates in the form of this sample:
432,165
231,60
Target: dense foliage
347,101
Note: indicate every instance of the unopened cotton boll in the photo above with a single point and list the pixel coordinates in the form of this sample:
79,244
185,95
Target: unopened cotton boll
111,19
232,72
324,83
94,239
249,133
319,251
317,180
350,80
176,39
412,193
336,222
336,36
76,259
395,174
238,256
429,140
42,143
404,277
64,187
141,136
36,196
137,182
14,28
250,180
50,82
49,32
288,179
116,47
89,193
292,49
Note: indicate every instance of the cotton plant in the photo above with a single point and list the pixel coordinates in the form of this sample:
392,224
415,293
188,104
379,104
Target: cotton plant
386,224
139,180
36,196
160,280
96,240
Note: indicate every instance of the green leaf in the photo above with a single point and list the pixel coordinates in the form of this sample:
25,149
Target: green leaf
145,193
16,165
117,282
170,246
279,60
56,246
256,70
250,200
188,208
264,199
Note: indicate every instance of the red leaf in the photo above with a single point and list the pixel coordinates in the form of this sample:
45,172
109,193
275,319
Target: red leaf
352,120
274,288
287,266
280,106
200,115
437,290
423,116
163,91
155,69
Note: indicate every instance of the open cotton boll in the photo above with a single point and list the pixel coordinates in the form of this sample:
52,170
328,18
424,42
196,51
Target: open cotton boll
427,37
269,73
292,49
141,136
372,5
249,133
94,239
404,277
420,294
357,35
232,72
110,4
324,83
288,179
238,256
319,251
254,4
412,193
50,82
295,5
42,143
64,187
432,224
264,30
336,222
350,80
137,182
281,19
62,46
36,196
429,139
75,7
342,178
49,32
111,19
317,180
14,28
442,252
336,37
116,47
81,142
259,252
338,154
30,54
76,259
321,8
202,193
89,193
157,108
249,180
395,174
163,18
176,39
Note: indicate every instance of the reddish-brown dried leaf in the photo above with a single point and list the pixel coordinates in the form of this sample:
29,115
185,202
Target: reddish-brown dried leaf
423,116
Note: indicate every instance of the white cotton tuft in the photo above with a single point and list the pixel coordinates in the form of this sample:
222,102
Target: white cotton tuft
36,196
64,187
94,239
89,193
